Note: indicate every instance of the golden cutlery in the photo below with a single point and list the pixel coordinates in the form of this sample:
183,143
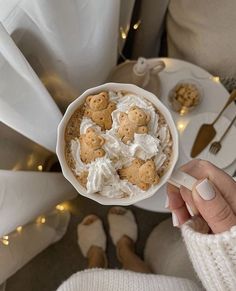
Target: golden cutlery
207,131
216,145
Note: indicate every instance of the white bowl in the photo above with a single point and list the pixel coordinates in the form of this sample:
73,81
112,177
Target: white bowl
60,149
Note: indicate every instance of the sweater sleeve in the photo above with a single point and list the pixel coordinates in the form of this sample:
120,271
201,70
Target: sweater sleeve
213,255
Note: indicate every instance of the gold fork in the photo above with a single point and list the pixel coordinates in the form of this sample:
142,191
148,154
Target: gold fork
216,146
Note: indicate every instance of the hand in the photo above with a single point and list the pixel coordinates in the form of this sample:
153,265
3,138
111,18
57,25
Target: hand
213,197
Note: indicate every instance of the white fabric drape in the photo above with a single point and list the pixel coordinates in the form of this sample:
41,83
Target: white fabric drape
33,238
25,195
25,104
71,45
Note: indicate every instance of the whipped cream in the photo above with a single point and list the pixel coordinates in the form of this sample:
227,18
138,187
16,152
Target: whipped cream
88,123
121,189
160,159
144,146
75,152
164,136
102,173
114,96
104,179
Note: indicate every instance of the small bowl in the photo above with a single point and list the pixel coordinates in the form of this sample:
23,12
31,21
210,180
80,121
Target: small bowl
60,149
186,102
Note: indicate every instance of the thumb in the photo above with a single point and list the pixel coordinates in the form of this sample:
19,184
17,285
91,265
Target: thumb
213,207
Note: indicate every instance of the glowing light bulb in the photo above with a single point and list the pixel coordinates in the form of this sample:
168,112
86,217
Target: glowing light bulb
183,111
40,168
6,237
60,207
136,25
19,228
181,126
41,220
122,33
216,79
5,242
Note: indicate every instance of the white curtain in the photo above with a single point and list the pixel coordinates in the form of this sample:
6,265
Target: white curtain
25,104
72,45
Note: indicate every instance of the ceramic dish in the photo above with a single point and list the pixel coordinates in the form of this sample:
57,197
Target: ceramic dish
66,170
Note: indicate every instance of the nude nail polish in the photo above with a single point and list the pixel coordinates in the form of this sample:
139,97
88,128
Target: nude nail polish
189,209
167,202
205,190
175,220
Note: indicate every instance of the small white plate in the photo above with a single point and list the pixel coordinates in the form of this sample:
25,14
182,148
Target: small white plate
226,155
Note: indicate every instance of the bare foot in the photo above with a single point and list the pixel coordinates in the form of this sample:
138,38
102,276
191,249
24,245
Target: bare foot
124,244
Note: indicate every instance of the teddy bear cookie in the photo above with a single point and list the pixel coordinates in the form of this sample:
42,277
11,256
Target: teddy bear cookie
135,121
91,146
140,173
99,109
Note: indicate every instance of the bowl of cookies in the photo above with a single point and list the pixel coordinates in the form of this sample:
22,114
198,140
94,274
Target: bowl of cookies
117,144
185,96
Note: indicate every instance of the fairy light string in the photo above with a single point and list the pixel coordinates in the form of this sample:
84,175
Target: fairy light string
124,34
5,240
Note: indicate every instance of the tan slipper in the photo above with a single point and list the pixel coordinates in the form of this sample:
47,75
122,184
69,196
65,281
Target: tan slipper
122,223
91,233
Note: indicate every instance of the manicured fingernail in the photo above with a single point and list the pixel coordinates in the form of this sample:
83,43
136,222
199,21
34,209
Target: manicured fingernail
189,209
205,190
175,220
167,202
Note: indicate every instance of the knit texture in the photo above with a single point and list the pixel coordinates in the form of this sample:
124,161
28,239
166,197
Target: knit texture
203,32
213,255
118,280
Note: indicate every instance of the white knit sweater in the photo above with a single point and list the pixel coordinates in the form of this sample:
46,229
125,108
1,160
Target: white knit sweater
118,280
213,258
203,32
